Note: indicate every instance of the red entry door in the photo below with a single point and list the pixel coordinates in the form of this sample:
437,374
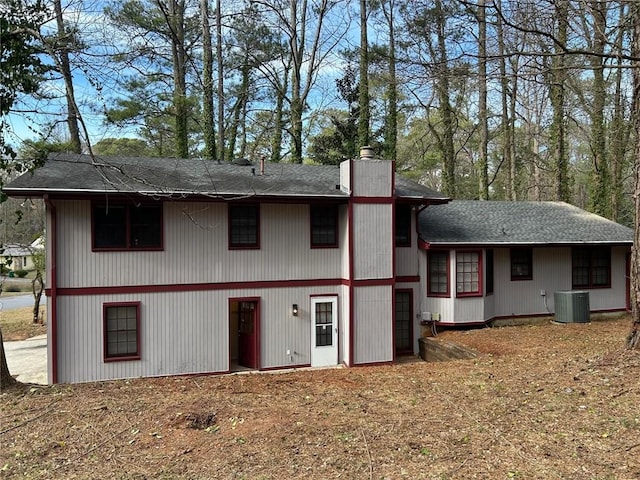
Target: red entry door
248,334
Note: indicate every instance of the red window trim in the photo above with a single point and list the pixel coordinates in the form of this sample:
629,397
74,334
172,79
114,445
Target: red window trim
522,277
127,206
446,294
107,358
477,293
252,246
336,227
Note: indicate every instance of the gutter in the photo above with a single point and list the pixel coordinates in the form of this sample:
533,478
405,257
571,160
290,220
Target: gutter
53,314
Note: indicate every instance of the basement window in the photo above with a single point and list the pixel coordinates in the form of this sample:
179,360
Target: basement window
121,323
127,226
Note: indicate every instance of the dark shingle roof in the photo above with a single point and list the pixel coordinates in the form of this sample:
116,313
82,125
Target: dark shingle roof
464,222
77,174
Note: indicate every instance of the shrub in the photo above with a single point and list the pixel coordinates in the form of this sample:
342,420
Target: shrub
12,288
21,273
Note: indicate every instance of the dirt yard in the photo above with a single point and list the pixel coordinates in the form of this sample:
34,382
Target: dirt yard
540,402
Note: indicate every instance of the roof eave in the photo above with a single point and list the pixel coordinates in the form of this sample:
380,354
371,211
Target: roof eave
454,244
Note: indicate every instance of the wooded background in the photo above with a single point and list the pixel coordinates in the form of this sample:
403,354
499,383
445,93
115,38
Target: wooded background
502,99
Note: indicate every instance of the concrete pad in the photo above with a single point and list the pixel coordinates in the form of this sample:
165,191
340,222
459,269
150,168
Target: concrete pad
27,359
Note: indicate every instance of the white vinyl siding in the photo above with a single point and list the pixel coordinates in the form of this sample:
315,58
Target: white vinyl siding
373,324
195,249
373,236
552,272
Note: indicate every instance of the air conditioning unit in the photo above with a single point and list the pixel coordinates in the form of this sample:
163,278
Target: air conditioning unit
571,306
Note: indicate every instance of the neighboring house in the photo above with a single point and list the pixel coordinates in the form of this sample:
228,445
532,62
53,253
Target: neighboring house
20,257
491,260
167,266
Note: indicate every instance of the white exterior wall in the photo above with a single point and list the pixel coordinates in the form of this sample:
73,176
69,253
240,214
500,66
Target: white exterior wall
551,273
344,335
373,240
372,178
182,332
373,324
407,264
195,249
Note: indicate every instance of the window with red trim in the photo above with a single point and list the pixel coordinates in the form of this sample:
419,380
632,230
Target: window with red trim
244,226
324,225
121,323
127,226
438,273
468,273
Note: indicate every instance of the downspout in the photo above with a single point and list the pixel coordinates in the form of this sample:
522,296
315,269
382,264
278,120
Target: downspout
53,314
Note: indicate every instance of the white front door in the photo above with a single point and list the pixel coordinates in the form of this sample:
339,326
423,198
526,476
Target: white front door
324,331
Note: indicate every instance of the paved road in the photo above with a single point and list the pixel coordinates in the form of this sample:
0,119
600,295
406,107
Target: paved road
17,301
27,359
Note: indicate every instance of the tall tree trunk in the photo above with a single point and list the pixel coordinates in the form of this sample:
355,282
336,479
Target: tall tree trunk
391,119
6,380
557,93
448,150
179,58
220,64
297,50
633,338
483,162
363,92
508,159
62,51
278,117
619,128
208,127
600,198
37,287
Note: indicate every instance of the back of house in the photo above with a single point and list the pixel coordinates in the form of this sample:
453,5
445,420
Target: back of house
182,266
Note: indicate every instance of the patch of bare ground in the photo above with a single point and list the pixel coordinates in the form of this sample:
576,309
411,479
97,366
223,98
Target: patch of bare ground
540,402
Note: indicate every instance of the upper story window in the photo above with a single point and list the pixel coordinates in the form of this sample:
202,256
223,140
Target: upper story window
468,273
121,324
403,225
324,226
521,264
127,226
438,273
244,226
591,267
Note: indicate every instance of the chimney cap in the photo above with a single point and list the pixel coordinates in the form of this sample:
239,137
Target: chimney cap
366,151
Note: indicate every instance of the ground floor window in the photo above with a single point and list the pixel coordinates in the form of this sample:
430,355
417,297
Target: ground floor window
468,273
438,273
121,331
591,267
521,264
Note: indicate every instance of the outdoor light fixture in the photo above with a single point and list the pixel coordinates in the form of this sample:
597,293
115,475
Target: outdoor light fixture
294,309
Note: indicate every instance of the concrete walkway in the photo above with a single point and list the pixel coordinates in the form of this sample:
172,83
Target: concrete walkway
27,359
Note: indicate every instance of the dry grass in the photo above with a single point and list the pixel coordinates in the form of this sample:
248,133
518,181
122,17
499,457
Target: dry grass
18,324
540,402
